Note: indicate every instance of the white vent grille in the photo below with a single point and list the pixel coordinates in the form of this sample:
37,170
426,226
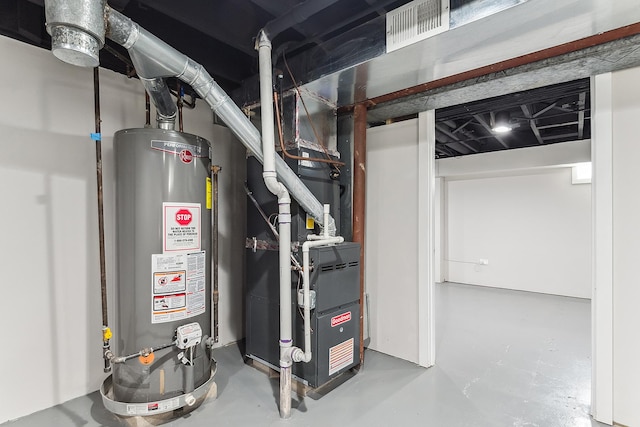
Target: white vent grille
416,21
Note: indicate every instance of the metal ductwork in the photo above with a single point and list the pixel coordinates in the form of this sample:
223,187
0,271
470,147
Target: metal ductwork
165,107
77,30
333,63
79,33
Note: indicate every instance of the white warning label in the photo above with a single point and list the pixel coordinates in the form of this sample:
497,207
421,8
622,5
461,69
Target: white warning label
340,356
196,281
169,281
151,407
178,286
181,227
169,302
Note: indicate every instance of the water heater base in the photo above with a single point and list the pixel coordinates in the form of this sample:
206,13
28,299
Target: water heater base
133,411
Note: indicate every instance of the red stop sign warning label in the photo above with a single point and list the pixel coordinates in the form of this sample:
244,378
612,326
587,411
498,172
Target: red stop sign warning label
181,226
183,217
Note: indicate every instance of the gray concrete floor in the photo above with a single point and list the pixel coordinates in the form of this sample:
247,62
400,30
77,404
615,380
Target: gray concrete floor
504,358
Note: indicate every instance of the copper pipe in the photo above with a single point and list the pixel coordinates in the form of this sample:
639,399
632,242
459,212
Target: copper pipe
131,71
359,187
334,163
180,104
216,297
147,109
284,150
563,49
279,123
190,105
103,271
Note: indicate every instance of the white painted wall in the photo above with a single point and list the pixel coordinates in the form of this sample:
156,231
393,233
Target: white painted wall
626,246
534,230
602,268
426,237
439,244
51,339
515,161
507,207
391,245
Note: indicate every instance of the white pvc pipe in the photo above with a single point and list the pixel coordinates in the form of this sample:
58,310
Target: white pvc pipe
327,214
288,353
298,355
314,240
284,220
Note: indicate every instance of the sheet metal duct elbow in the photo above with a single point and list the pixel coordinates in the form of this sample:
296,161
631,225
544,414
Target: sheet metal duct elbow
77,29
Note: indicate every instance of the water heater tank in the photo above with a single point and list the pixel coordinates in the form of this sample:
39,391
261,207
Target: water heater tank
163,222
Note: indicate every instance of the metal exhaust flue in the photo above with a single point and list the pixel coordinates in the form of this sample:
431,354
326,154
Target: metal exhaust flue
155,59
77,29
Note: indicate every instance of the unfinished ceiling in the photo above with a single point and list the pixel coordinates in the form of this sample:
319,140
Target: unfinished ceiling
218,34
548,115
339,53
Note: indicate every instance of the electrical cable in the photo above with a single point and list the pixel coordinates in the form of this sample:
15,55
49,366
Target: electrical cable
294,260
262,214
297,291
273,220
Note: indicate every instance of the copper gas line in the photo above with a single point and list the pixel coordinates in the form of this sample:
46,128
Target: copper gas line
97,136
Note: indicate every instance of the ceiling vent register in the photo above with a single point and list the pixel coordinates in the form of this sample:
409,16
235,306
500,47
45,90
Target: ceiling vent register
415,21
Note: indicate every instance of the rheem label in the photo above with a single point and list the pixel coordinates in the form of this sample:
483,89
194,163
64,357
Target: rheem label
186,156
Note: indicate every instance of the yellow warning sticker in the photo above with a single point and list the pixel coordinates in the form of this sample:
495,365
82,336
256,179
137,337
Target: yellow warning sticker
208,193
311,224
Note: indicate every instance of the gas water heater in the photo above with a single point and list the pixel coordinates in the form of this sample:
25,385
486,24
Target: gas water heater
162,349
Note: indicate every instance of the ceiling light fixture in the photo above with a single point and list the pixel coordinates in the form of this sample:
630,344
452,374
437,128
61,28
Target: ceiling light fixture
502,122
